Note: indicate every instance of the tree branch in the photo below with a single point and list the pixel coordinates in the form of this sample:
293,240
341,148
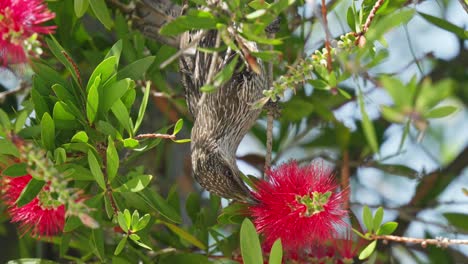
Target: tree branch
439,241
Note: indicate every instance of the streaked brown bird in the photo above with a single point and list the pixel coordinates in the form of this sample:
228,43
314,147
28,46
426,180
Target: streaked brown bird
222,118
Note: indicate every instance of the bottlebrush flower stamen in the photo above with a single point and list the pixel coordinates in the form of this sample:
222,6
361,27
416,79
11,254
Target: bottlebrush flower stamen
314,204
19,26
300,205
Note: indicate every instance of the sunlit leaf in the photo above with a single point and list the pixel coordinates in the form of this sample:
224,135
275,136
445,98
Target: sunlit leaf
250,243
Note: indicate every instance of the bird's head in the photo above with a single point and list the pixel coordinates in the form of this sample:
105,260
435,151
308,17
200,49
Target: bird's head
218,173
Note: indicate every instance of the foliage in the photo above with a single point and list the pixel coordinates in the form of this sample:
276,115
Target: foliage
103,124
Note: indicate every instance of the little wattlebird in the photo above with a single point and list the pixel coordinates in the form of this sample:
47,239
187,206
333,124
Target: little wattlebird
223,117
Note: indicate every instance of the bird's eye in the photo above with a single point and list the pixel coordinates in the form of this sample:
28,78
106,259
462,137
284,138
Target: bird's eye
228,173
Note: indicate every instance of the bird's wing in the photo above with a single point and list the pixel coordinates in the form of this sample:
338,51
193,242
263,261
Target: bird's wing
194,65
152,15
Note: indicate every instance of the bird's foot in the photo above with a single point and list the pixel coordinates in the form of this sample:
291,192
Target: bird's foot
273,108
274,26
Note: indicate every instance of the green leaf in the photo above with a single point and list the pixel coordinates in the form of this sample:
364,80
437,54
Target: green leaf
76,172
387,228
15,170
135,184
130,143
208,88
135,218
378,217
279,6
388,22
344,93
143,245
195,19
250,244
80,7
64,244
8,148
392,115
350,19
48,132
276,253
105,70
107,129
72,223
397,169
440,112
108,205
136,69
259,4
225,75
45,77
30,192
5,122
115,50
121,113
80,136
112,160
367,218
368,126
159,204
98,242
121,245
184,235
366,252
142,223
92,103
60,53
268,55
256,14
122,222
128,218
21,120
178,126
400,94
181,141
135,237
444,24
296,109
142,110
458,220
96,170
102,12
113,92
61,113
192,206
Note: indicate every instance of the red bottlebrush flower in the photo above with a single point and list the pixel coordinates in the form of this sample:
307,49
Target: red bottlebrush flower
300,205
19,21
35,217
348,247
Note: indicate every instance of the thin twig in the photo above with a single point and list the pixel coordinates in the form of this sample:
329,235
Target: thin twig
270,117
164,136
327,36
214,59
371,16
212,68
439,241
179,53
464,4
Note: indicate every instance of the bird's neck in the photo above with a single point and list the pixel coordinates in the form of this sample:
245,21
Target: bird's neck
211,143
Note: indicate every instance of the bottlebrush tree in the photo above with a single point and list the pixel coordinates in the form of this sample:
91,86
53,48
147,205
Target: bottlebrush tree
95,132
